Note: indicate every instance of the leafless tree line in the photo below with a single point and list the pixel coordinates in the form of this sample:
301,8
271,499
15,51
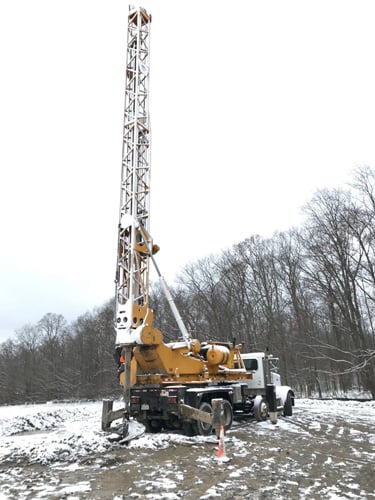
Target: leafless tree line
54,360
307,295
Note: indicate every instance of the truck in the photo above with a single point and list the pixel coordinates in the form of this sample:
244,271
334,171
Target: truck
174,406
264,368
189,384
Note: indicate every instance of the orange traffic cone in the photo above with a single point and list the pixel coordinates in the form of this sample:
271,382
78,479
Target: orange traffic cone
221,449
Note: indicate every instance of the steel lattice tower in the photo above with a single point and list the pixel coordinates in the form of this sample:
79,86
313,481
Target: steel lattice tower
132,272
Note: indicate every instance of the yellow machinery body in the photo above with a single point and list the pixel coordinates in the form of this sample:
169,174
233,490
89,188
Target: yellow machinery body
155,362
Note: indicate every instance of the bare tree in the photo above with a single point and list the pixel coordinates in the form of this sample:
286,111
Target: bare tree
334,270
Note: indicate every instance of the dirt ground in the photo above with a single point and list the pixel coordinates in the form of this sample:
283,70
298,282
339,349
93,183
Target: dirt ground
322,451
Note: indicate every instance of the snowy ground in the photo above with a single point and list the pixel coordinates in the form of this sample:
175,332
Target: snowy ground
53,451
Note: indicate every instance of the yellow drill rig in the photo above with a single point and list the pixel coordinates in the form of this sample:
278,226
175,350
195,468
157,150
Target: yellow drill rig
165,385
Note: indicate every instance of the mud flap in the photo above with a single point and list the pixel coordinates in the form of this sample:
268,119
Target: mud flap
272,403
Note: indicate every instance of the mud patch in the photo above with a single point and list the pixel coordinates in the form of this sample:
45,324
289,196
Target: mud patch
323,451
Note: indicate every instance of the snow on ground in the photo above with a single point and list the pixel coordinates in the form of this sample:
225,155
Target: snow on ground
323,451
46,433
50,432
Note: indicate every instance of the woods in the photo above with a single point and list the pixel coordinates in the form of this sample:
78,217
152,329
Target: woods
307,295
54,360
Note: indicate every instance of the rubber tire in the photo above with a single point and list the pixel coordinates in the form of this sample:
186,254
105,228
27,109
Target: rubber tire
288,406
260,409
188,428
228,414
202,428
153,426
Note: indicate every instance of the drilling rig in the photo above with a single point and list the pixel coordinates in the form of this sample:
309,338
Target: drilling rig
165,385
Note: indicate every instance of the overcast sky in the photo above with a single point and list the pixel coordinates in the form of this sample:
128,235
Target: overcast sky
254,106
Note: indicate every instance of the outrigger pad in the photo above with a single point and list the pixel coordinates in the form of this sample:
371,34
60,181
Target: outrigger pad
126,431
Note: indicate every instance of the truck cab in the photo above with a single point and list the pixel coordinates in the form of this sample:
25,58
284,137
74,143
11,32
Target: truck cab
265,370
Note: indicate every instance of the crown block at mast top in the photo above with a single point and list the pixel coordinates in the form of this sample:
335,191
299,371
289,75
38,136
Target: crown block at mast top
144,17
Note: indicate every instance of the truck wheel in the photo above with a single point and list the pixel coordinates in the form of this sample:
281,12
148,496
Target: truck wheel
228,414
202,428
152,426
288,406
260,408
188,428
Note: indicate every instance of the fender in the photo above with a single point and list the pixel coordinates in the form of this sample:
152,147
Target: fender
282,393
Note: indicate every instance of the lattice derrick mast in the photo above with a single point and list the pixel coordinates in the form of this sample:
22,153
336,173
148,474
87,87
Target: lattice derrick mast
132,274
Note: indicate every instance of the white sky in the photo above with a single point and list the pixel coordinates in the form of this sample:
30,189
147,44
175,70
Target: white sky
254,106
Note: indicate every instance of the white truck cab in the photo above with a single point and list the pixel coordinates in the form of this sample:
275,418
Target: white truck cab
265,370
